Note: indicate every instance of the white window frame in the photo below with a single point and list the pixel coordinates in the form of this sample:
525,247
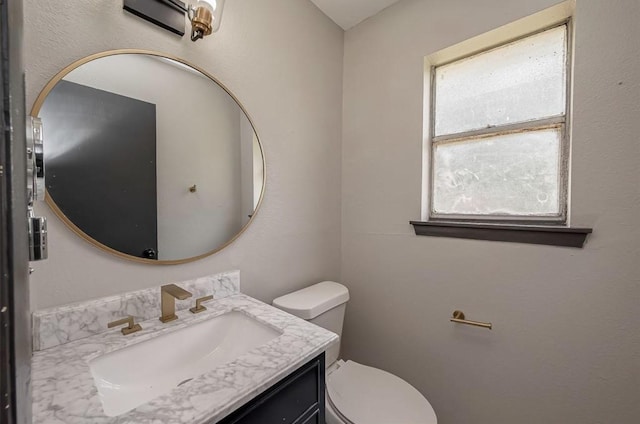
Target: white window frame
561,122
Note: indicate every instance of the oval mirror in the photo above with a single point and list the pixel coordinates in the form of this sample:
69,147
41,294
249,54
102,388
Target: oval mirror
149,157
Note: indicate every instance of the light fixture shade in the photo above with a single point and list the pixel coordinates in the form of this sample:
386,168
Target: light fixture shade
215,7
211,5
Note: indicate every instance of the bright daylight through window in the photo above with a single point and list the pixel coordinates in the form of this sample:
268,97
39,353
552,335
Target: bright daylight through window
499,141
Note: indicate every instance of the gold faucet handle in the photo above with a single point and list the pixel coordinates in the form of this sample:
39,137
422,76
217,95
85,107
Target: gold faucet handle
130,328
199,308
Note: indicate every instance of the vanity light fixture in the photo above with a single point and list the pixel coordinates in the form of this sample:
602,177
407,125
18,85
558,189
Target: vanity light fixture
205,15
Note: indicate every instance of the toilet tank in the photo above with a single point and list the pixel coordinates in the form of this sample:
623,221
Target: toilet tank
322,304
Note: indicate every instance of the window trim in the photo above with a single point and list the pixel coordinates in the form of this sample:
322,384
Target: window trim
530,234
560,121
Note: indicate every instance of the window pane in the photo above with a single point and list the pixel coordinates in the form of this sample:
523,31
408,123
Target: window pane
518,82
514,174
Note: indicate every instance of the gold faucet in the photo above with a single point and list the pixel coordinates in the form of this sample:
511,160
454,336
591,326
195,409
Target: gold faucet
169,294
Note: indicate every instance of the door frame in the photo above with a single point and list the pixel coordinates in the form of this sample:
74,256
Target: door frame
15,362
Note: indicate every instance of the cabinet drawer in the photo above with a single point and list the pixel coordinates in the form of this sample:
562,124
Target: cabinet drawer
296,399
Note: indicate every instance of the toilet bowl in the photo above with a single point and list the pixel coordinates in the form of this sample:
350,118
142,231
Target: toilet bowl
358,394
355,393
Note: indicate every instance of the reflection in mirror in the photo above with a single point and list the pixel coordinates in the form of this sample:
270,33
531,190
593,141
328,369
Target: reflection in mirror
149,157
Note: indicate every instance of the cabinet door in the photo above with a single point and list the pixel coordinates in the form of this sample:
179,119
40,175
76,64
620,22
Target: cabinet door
297,399
313,419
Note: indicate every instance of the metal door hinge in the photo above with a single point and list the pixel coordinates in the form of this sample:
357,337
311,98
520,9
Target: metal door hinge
37,237
37,226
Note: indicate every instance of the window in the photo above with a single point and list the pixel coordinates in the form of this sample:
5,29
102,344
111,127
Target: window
498,133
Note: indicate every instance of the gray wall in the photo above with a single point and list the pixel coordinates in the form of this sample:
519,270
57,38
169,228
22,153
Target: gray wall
566,345
287,71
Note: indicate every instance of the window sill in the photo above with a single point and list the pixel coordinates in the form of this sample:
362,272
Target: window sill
547,235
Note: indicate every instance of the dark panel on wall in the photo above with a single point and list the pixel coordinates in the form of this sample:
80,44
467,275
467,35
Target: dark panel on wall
105,147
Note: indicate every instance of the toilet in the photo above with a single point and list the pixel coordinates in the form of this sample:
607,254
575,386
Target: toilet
355,393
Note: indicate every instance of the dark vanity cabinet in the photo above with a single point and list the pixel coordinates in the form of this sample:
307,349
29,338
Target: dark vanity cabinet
296,399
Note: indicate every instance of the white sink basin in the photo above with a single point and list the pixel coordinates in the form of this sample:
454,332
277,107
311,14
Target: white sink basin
134,375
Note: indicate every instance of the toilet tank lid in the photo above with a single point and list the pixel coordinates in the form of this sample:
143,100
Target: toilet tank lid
312,301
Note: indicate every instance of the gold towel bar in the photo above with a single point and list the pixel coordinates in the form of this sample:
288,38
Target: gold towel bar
458,317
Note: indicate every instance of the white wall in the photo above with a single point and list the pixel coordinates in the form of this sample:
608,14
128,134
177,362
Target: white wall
565,346
283,60
197,143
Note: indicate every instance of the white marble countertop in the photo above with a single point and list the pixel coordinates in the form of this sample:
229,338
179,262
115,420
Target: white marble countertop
64,391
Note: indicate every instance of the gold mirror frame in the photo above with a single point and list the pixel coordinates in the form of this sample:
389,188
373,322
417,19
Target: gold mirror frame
35,111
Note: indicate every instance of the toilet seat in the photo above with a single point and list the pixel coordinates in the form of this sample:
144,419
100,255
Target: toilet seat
366,395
